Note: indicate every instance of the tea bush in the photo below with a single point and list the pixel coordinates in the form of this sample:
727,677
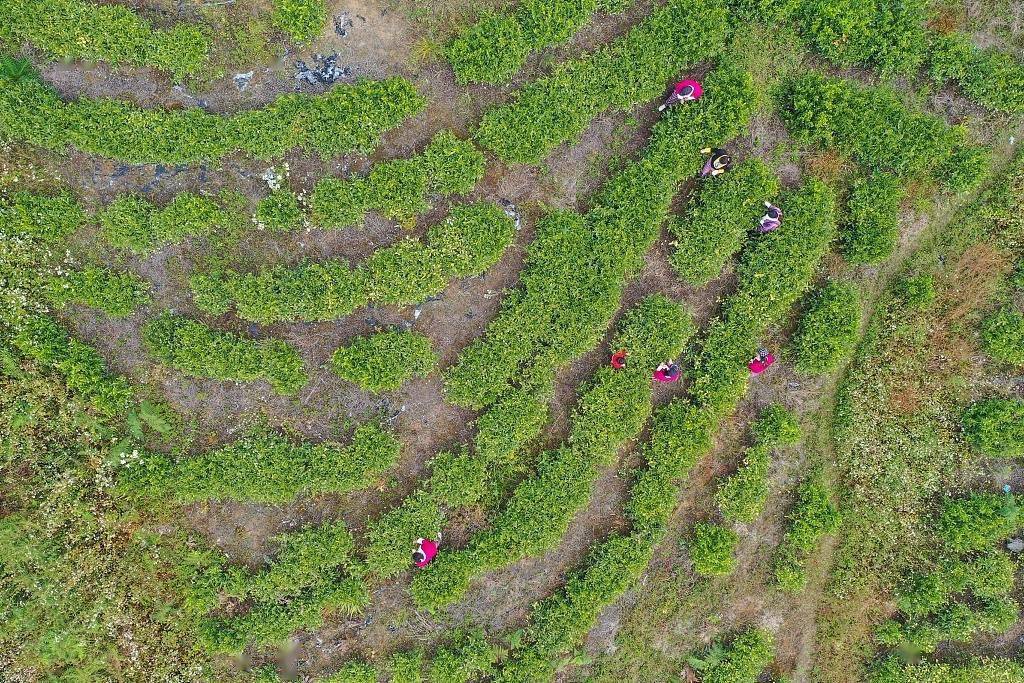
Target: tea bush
993,79
872,125
69,29
978,521
995,427
813,516
398,189
740,661
115,292
279,211
557,108
1002,335
137,224
895,669
828,329
465,244
723,213
50,219
712,549
872,228
198,351
344,119
385,360
564,308
986,576
302,20
264,466
742,495
494,48
917,292
953,622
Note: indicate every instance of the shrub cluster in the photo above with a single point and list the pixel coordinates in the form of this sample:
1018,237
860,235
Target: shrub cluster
346,118
872,228
716,223
978,521
137,224
279,211
895,669
995,426
264,466
993,79
813,516
828,329
557,108
70,29
199,351
576,267
385,360
611,410
467,243
302,20
872,125
51,219
740,661
398,189
115,292
1002,334
712,548
742,495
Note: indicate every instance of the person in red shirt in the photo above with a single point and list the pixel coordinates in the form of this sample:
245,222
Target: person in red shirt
667,372
425,551
761,362
619,359
687,90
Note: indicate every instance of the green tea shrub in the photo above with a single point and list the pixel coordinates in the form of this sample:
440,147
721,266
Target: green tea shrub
279,211
872,125
917,292
353,672
872,228
1002,335
385,360
344,119
987,576
115,292
398,189
468,242
828,329
470,658
813,516
995,427
69,29
740,661
742,495
199,351
302,20
895,669
264,466
134,223
493,49
712,549
955,621
993,79
48,218
978,521
722,214
557,108
406,667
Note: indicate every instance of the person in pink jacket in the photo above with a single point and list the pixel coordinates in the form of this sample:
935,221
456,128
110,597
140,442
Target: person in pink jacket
761,362
667,372
425,551
687,90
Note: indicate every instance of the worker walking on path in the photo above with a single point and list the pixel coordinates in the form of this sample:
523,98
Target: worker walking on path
667,372
771,220
718,163
426,550
761,362
687,90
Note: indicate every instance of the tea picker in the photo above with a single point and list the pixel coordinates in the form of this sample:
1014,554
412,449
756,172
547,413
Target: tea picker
667,372
761,362
771,220
687,90
426,550
718,163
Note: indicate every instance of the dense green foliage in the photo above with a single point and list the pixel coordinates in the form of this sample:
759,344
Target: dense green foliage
994,79
895,670
72,29
742,495
264,466
302,20
740,661
50,219
137,224
711,549
345,118
872,228
978,521
279,211
398,189
872,125
814,515
115,292
715,224
199,351
467,243
385,360
995,427
557,108
1002,335
828,329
